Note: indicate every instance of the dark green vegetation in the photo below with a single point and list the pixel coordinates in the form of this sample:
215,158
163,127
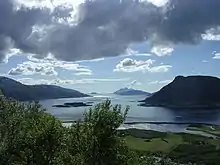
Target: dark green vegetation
75,104
130,91
13,89
30,136
1,93
181,147
193,92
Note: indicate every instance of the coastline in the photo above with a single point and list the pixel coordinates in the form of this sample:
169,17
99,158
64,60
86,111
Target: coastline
162,127
156,122
193,107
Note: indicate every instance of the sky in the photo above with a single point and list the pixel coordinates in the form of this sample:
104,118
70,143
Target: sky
104,45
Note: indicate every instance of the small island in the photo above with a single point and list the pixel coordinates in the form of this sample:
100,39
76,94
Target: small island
74,104
93,93
191,92
130,91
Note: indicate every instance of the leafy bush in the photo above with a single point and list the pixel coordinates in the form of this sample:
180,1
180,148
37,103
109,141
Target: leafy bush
30,136
196,153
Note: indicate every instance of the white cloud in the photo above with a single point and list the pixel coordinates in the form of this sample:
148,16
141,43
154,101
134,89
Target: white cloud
160,69
35,3
131,52
49,3
50,72
52,62
11,52
142,54
16,71
67,10
162,50
97,60
93,60
212,34
214,52
129,62
83,73
30,68
47,66
211,37
31,81
204,61
72,82
130,65
216,56
108,80
3,74
158,3
160,82
133,83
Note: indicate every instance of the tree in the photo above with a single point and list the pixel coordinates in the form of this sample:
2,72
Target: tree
30,136
96,138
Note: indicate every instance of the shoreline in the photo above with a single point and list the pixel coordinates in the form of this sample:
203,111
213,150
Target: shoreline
185,129
149,122
192,107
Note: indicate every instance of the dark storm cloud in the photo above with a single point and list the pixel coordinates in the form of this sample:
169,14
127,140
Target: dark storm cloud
16,25
106,28
186,20
4,45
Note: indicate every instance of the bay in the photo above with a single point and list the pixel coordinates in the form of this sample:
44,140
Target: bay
166,118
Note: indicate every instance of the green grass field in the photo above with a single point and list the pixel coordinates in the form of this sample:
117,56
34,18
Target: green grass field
181,147
154,144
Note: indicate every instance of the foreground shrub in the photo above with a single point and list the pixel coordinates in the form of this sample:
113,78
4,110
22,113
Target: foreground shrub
97,138
30,136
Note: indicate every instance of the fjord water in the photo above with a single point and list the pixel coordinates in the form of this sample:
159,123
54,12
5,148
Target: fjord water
136,113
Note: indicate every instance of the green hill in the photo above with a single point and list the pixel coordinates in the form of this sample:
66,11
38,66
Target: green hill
16,90
188,92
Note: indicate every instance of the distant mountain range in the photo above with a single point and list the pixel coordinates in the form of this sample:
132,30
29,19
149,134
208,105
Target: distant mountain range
18,91
130,91
188,92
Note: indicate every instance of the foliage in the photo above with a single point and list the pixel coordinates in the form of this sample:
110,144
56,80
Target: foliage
152,146
196,153
99,137
1,93
30,136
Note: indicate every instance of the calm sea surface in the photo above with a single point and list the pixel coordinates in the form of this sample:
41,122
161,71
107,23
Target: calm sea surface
136,113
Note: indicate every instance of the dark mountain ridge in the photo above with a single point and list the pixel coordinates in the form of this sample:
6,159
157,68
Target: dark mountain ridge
18,91
190,91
